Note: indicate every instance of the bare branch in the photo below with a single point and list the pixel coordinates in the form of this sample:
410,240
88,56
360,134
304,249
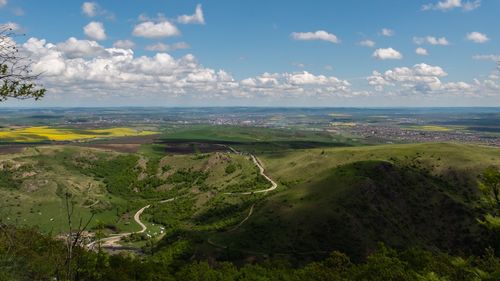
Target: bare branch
17,79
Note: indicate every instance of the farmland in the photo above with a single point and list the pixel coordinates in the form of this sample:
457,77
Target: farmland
44,133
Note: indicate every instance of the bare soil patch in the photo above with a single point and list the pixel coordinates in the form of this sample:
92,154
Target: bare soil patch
10,149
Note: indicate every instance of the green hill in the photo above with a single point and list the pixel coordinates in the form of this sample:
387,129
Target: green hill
349,199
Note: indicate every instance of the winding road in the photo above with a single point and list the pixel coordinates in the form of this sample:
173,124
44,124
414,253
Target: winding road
112,241
256,161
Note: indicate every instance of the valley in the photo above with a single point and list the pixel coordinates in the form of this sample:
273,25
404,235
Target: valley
172,195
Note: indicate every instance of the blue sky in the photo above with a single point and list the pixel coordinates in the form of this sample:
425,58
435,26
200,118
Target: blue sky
297,53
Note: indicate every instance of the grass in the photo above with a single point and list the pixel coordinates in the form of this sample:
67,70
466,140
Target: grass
349,199
344,198
44,133
115,185
239,134
44,177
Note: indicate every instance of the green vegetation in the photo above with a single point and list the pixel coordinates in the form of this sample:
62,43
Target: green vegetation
255,139
38,257
349,199
434,206
490,186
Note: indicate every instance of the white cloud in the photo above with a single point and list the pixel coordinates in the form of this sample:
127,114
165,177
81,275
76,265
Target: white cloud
3,3
92,9
477,37
469,6
447,5
387,54
487,57
387,32
95,30
149,29
421,51
196,18
317,35
74,48
161,47
419,78
124,44
431,40
424,79
84,68
89,9
367,43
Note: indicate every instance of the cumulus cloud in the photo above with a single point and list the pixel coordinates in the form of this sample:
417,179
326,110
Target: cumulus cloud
387,54
417,78
196,18
317,35
424,79
89,9
95,30
387,32
421,51
447,5
477,37
83,67
161,47
3,3
150,29
124,44
431,40
74,48
367,43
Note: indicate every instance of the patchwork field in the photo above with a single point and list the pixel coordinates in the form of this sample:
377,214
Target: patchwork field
44,133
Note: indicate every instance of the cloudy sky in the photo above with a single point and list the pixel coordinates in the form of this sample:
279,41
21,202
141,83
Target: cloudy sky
261,52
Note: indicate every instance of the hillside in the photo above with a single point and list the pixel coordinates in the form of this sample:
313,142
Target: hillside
349,199
340,198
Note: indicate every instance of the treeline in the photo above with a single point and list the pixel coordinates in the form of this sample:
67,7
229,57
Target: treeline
27,255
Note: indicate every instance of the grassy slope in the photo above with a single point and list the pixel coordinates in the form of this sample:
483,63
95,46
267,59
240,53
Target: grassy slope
351,198
39,198
325,200
35,179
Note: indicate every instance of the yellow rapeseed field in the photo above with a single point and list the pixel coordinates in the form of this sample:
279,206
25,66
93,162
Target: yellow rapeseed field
35,134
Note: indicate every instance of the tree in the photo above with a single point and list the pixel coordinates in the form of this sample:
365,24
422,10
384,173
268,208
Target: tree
17,79
490,186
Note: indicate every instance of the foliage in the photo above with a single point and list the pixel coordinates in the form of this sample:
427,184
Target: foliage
16,76
27,255
490,186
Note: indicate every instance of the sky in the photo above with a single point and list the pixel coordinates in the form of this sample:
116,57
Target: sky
379,53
